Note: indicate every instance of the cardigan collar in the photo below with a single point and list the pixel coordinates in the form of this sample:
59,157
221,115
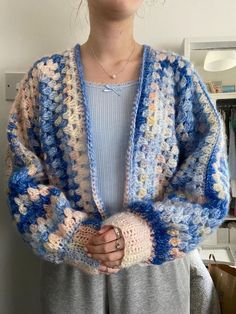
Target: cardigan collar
71,130
142,83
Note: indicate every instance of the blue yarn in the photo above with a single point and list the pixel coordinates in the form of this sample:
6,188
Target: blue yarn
45,157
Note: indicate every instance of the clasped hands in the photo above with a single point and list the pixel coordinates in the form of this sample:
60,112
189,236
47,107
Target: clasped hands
102,247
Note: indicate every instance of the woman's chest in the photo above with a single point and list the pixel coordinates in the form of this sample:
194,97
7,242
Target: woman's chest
67,140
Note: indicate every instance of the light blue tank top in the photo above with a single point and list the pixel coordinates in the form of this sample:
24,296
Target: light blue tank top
110,108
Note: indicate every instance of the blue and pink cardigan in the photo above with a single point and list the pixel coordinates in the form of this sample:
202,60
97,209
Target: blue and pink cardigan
177,188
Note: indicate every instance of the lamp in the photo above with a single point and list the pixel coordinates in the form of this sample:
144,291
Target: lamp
220,60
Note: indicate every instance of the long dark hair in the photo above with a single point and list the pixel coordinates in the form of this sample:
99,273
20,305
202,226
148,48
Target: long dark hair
79,6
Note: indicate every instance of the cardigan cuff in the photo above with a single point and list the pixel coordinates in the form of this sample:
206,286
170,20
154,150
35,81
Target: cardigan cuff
75,254
137,235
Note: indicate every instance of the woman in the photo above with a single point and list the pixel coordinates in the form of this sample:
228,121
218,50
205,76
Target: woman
117,166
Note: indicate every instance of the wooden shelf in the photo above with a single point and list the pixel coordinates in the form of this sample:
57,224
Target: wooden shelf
230,217
216,96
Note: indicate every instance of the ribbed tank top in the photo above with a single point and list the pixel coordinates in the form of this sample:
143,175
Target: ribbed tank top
110,107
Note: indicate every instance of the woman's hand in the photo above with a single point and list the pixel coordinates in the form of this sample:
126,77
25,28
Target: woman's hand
103,248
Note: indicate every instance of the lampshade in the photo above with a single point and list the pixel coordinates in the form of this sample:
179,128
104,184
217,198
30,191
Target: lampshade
220,60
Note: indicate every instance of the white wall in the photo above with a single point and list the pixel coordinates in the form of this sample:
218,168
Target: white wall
30,29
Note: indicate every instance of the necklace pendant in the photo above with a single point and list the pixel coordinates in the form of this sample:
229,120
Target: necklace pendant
113,76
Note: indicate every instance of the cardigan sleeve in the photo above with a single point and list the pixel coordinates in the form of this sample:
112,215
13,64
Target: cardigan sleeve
197,197
41,211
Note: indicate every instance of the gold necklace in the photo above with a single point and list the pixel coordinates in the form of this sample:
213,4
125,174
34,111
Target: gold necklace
113,76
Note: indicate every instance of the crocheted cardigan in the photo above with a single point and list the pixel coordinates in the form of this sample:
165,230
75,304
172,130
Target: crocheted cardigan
177,188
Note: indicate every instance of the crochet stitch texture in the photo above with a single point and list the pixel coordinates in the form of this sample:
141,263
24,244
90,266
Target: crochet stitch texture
177,188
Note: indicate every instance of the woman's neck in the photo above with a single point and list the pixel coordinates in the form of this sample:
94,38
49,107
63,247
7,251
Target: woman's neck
111,43
111,35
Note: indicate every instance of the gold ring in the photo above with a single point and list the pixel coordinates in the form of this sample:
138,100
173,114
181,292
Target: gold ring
117,232
117,244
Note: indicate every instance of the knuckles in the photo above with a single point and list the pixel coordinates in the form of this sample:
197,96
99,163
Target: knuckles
106,237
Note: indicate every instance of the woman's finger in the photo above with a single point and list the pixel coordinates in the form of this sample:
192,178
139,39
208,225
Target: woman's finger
105,248
108,271
105,228
107,236
110,257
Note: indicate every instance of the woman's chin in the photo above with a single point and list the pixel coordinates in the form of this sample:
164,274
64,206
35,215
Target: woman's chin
117,8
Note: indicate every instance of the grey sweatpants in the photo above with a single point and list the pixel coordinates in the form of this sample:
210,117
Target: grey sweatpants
154,289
